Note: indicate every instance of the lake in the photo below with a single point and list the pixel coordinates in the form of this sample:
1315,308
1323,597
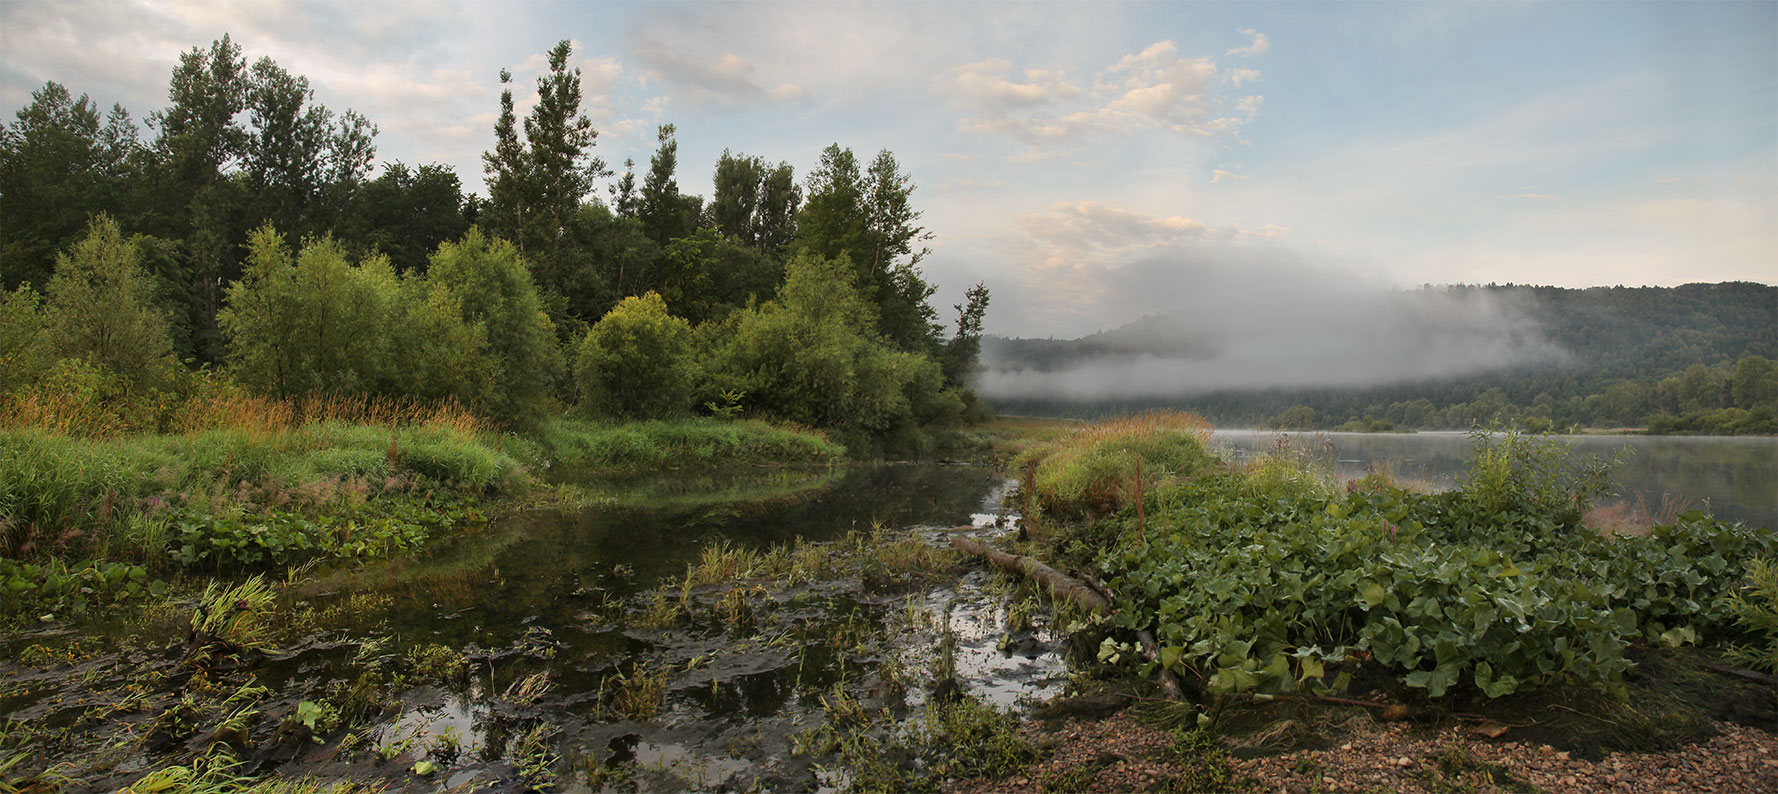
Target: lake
1733,477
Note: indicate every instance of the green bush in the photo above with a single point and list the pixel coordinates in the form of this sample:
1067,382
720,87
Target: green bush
101,308
638,361
813,356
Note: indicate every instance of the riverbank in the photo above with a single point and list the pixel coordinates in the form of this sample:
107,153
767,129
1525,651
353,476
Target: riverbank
90,522
811,628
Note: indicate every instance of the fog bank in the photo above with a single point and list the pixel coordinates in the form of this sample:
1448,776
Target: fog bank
1297,331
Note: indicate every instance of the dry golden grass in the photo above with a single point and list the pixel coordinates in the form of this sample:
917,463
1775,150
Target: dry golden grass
1146,425
61,414
222,406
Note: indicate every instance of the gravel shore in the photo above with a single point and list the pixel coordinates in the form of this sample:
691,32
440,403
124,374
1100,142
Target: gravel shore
1121,754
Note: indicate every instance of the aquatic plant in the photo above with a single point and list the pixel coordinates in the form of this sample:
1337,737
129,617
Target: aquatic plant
235,618
1279,585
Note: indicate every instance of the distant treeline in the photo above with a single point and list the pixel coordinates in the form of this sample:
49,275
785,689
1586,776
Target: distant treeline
1697,358
252,236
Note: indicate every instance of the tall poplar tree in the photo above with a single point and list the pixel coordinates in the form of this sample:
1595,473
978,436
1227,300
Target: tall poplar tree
536,182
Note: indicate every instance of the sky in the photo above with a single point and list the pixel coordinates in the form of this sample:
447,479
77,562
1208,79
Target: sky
1091,163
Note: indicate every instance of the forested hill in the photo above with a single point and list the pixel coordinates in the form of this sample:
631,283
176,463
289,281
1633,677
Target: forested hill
1652,331
1692,358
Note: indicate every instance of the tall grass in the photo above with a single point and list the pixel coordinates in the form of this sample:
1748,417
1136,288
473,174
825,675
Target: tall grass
1095,468
685,442
60,493
77,400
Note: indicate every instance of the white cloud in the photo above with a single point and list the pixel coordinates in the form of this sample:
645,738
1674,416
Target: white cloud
1156,88
1259,44
993,84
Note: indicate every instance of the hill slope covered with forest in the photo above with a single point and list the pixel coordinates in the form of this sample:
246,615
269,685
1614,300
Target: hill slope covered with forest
1692,358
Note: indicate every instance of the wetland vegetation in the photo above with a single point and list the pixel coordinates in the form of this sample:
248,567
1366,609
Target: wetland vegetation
312,481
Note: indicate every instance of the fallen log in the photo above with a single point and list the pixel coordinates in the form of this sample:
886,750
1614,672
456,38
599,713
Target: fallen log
1058,584
1751,675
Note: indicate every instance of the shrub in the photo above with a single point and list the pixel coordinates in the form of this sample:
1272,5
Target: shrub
638,361
812,356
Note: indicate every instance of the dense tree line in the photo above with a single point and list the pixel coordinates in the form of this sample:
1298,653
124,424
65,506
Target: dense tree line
251,234
1697,358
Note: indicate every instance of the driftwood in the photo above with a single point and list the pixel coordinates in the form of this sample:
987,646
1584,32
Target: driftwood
1751,675
1057,583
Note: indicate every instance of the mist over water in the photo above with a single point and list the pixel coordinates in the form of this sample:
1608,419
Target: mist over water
1285,329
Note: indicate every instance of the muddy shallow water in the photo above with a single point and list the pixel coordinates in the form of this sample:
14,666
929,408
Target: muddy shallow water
519,650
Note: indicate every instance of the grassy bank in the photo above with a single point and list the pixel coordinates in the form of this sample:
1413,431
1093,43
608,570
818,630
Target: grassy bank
688,443
89,518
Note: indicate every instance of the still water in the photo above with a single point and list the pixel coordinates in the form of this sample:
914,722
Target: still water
1734,478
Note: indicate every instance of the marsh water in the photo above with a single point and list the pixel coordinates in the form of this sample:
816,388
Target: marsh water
546,606
545,613
1733,477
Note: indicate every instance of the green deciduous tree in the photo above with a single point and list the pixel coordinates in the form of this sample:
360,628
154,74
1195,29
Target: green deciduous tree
101,308
311,322
23,358
966,343
868,216
638,361
705,277
1754,383
536,183
755,203
406,213
315,323
488,279
812,356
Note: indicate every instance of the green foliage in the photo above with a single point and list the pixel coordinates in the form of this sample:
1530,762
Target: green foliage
313,322
1094,470
256,541
61,494
867,219
490,283
1289,586
236,617
684,442
101,308
59,164
53,587
22,358
1511,473
810,357
1755,607
638,361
